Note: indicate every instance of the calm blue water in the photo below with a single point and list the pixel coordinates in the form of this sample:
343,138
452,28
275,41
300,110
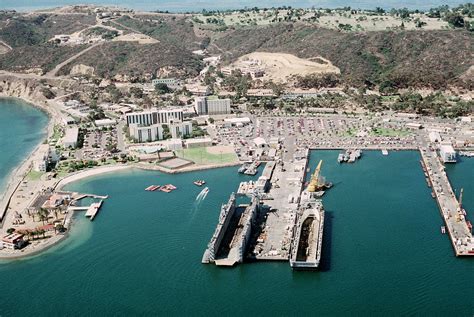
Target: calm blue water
22,128
383,251
198,5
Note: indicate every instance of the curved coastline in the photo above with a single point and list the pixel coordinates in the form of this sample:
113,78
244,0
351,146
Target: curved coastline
17,175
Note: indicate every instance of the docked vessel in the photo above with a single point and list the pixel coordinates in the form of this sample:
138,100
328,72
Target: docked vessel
340,158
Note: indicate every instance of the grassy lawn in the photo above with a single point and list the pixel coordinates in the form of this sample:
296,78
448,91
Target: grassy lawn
201,156
349,132
34,175
389,132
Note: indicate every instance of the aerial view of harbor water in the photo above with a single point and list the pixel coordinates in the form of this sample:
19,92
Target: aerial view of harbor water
281,159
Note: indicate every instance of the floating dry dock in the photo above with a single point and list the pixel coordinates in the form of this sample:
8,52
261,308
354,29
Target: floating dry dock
273,225
232,235
451,210
308,234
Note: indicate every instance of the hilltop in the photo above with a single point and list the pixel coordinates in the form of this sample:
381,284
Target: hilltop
392,50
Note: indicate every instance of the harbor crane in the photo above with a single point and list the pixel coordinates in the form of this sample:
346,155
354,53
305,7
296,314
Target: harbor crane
317,182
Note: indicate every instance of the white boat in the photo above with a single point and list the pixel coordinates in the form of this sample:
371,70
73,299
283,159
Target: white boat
340,158
384,152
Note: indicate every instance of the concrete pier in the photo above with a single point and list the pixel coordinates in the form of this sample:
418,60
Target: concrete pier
453,216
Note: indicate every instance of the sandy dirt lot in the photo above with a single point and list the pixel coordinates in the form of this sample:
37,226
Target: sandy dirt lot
279,66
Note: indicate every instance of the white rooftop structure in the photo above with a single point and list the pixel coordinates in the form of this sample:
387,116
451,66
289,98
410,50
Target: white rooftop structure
260,142
235,121
434,136
70,138
447,153
104,122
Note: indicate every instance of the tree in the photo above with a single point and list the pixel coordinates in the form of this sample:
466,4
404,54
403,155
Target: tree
43,214
455,19
10,230
161,89
136,92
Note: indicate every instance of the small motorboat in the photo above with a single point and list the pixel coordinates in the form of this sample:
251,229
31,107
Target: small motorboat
199,182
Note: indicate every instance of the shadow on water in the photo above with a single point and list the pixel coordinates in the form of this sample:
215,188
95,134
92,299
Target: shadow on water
325,264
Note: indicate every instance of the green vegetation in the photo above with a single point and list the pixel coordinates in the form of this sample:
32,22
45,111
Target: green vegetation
34,175
202,156
386,132
391,59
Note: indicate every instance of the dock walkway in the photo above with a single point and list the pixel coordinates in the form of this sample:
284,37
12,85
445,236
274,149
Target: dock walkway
454,218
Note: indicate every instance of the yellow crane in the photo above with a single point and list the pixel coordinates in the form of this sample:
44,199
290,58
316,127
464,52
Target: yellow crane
314,183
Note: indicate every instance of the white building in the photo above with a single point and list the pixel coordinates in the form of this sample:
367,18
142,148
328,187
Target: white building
70,138
105,123
434,136
260,142
146,133
40,163
238,121
155,116
180,129
199,142
149,126
205,106
172,83
447,153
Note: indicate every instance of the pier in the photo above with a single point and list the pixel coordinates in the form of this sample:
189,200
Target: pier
453,214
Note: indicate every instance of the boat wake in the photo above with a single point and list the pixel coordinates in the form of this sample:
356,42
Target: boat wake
202,195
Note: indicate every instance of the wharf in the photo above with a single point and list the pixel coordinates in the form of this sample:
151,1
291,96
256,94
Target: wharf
93,210
274,242
453,215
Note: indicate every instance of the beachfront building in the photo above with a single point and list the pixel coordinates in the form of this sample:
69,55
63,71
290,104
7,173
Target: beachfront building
71,137
206,106
149,126
141,133
42,158
447,153
180,129
13,241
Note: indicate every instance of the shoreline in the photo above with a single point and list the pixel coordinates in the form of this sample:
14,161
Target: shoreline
18,174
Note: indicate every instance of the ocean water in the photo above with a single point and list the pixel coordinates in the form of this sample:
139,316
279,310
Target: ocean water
22,128
198,5
383,252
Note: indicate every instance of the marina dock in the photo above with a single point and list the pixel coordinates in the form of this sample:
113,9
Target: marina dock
453,214
91,211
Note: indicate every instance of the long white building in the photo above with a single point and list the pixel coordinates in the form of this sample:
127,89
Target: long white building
149,126
205,106
155,116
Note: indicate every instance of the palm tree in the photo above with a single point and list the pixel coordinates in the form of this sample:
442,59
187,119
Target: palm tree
42,231
56,211
43,214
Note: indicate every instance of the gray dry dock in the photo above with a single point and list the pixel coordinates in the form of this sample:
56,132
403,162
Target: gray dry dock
278,230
